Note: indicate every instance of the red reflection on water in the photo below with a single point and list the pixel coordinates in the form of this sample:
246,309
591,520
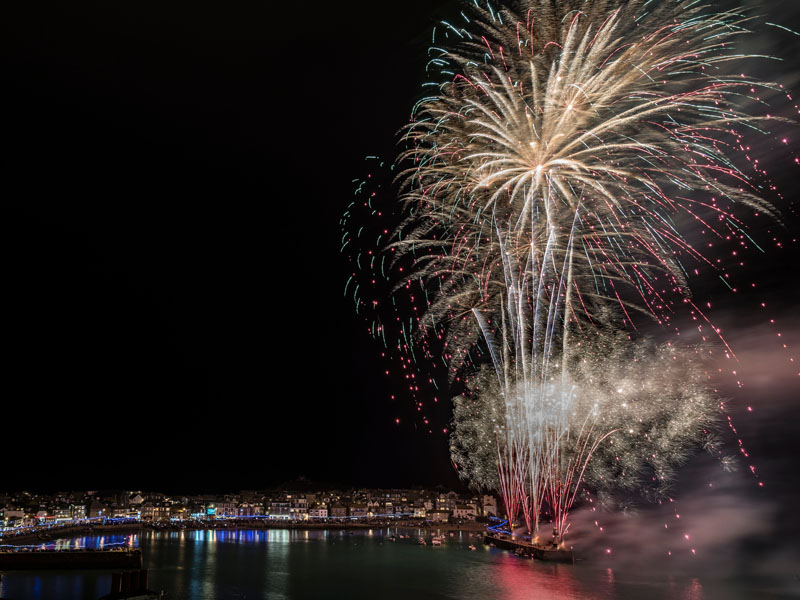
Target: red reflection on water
693,591
523,578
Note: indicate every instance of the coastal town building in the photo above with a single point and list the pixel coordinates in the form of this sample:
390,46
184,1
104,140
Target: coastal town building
97,509
338,511
62,513
146,511
298,507
10,513
24,510
162,511
466,512
489,506
439,515
226,508
247,509
279,509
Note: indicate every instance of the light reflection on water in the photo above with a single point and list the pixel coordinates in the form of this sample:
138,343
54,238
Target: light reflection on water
94,541
296,564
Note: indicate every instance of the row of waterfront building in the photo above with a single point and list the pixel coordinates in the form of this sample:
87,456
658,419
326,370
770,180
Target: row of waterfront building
25,509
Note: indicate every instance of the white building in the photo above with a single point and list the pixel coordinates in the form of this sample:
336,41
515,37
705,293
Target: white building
438,515
489,506
298,507
226,509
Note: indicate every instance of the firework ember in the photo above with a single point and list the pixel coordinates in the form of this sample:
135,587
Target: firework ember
551,188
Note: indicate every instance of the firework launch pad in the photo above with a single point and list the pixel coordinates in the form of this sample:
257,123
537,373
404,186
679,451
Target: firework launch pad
523,548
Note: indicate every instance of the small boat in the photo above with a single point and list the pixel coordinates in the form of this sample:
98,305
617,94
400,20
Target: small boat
422,542
548,552
552,553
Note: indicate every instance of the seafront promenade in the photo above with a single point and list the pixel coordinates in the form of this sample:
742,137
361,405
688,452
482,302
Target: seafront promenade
44,535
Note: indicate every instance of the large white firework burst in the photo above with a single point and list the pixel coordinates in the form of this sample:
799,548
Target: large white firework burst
546,184
565,140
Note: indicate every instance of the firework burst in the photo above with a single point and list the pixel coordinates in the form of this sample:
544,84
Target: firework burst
565,142
545,186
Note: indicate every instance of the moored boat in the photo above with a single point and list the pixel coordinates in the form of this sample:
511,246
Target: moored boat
538,551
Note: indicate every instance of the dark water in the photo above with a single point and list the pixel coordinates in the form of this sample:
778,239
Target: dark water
282,564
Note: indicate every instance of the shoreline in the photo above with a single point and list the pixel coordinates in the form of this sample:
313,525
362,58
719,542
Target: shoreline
303,525
71,533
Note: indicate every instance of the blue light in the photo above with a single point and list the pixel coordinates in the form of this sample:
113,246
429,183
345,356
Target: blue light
497,528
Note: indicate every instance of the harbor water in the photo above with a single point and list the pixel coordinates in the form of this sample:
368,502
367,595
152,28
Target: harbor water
280,564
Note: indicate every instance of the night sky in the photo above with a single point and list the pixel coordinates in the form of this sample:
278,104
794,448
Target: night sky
173,319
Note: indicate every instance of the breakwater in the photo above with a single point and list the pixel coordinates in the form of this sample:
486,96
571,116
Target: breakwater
19,560
46,535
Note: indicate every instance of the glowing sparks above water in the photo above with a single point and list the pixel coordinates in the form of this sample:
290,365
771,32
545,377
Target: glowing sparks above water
550,187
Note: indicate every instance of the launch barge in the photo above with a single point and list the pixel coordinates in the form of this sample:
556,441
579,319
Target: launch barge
115,558
527,549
